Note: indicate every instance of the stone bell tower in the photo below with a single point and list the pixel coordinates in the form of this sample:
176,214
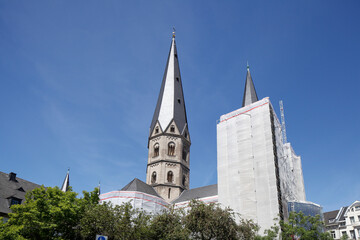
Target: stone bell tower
169,142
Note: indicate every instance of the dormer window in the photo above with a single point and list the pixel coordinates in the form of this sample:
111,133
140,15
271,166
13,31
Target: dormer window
179,101
172,128
153,177
177,79
14,201
156,130
171,149
156,150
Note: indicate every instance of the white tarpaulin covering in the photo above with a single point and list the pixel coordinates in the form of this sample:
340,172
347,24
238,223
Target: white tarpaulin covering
138,200
253,171
207,200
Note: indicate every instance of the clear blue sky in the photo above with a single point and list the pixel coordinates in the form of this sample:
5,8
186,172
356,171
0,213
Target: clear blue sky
79,81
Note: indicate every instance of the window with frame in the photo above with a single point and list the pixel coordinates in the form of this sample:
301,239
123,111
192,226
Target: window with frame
156,149
333,234
172,128
153,177
171,149
170,176
352,219
352,234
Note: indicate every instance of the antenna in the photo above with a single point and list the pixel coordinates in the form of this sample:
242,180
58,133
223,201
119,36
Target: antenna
283,128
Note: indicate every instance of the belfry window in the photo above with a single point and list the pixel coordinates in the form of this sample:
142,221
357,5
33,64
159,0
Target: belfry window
170,176
156,150
172,128
184,180
171,149
153,177
184,155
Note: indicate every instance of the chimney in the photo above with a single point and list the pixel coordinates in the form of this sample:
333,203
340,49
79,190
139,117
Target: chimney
12,177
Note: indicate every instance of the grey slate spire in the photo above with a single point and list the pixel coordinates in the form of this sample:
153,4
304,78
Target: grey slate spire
250,95
65,185
170,105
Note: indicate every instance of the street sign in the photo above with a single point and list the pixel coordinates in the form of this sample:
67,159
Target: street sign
101,237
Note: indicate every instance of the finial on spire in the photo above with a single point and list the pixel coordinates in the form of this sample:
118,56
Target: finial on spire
247,65
174,31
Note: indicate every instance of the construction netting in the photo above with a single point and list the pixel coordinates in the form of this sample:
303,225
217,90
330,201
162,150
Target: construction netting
255,176
138,200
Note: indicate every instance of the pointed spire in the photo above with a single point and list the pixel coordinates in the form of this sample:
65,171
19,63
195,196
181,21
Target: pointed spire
170,105
250,95
99,189
65,185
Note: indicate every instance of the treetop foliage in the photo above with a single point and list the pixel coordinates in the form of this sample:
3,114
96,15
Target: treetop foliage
49,213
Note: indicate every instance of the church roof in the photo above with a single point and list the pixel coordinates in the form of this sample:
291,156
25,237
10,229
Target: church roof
170,104
140,186
196,193
13,187
250,95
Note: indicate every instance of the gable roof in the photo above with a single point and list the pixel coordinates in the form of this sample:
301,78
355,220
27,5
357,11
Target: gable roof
140,186
329,216
196,193
16,188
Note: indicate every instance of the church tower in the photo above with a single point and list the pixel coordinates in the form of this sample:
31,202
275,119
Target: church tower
169,142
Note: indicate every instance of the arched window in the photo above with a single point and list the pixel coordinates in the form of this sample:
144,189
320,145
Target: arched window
171,149
172,128
153,177
184,180
170,176
156,150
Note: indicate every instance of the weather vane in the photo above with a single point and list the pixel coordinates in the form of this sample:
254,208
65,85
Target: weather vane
174,30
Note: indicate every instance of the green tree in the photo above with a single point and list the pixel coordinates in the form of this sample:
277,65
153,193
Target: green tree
210,221
304,227
118,222
48,213
168,225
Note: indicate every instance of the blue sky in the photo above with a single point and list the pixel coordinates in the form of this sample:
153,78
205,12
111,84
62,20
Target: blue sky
79,82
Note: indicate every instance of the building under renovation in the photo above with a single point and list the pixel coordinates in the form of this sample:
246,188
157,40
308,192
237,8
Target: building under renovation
258,171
